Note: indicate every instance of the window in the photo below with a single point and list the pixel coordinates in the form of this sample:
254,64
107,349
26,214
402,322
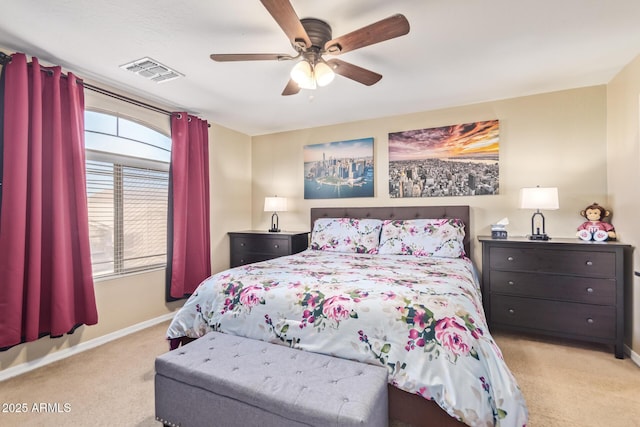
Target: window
127,190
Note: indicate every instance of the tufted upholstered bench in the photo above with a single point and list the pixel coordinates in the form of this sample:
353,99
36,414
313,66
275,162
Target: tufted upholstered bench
224,380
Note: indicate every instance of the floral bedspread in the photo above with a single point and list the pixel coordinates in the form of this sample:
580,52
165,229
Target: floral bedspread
421,317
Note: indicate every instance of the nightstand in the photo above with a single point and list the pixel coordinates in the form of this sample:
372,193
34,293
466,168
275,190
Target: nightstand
566,288
254,245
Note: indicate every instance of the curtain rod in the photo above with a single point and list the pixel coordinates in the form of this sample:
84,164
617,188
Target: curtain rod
125,98
5,59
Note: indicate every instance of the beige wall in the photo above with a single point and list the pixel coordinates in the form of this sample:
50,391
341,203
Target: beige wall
230,173
137,298
623,145
555,139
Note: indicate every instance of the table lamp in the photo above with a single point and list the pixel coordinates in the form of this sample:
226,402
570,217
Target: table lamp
537,198
275,204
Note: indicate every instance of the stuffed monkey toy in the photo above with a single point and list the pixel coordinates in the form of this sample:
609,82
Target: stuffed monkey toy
594,228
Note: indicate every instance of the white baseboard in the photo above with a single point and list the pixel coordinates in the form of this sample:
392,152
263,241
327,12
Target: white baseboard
84,346
633,355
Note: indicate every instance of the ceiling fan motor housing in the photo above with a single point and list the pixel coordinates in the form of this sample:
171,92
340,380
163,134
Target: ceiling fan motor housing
319,32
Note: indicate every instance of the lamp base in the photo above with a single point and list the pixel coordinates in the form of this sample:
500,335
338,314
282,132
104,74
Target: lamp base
539,237
274,223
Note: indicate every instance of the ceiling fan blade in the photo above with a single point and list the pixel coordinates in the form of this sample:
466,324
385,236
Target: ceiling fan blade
353,72
226,57
291,89
389,28
286,17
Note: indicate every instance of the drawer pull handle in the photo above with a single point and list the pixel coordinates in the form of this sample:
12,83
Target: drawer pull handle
511,311
590,320
510,258
589,263
276,246
242,244
590,290
511,282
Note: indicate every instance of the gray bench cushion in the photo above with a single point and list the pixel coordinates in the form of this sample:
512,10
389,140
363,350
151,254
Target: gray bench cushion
225,380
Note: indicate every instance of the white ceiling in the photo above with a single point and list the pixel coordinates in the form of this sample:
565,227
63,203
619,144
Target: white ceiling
457,52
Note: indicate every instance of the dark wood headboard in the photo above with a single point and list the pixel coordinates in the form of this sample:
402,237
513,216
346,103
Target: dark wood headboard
400,212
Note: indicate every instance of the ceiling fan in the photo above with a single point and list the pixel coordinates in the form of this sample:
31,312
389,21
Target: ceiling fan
312,39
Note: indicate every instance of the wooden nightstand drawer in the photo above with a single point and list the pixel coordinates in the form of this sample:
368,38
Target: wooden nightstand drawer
554,316
273,246
242,258
548,286
572,262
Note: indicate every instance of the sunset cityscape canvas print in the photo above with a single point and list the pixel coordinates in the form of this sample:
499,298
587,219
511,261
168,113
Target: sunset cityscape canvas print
456,160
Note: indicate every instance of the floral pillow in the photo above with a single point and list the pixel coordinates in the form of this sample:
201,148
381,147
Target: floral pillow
423,237
346,235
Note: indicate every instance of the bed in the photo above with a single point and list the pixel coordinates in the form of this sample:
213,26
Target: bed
392,286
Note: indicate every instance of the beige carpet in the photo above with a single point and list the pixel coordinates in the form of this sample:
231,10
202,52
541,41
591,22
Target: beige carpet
573,384
568,385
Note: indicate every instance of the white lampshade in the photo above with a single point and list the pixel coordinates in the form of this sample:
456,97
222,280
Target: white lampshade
323,74
275,204
302,73
545,198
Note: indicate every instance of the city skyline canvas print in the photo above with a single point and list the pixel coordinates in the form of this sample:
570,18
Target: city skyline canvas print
339,169
456,160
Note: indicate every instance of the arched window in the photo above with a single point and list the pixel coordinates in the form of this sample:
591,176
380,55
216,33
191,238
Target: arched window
127,189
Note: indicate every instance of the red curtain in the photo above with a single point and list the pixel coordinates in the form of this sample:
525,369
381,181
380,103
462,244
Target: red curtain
46,284
188,252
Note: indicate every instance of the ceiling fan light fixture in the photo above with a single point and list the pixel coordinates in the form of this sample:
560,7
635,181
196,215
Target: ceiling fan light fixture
308,84
323,73
302,73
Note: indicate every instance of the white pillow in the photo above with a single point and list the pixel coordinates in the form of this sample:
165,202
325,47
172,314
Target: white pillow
346,235
423,237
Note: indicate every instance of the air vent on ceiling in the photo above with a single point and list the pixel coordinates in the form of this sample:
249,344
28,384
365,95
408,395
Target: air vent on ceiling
152,70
